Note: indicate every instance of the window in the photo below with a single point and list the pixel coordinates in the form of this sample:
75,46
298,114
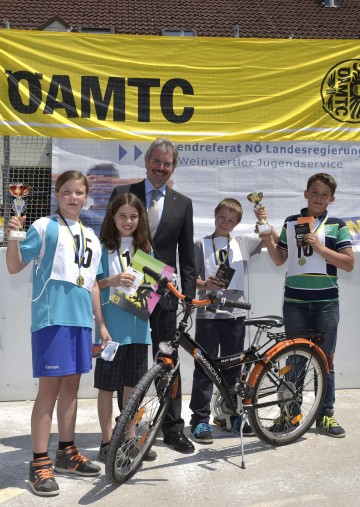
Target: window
96,29
178,32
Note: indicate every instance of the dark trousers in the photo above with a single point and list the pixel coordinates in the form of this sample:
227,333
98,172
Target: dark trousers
163,326
300,318
219,337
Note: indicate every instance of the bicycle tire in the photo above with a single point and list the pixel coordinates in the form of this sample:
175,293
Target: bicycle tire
146,410
298,400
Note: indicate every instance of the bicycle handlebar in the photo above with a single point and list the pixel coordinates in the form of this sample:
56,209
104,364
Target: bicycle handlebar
237,304
162,279
153,274
197,302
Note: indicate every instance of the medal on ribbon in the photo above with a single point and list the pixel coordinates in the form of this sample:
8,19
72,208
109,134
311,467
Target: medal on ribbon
79,248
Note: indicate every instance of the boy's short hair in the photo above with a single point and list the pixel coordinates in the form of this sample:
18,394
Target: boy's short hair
327,179
232,205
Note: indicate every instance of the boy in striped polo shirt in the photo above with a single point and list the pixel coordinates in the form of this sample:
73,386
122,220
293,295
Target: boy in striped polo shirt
311,297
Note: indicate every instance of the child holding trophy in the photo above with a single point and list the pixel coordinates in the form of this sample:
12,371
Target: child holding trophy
221,263
314,245
65,296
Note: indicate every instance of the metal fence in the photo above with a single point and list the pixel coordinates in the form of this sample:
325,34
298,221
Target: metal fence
25,160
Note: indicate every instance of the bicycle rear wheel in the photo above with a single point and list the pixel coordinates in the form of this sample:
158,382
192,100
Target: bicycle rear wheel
290,392
144,414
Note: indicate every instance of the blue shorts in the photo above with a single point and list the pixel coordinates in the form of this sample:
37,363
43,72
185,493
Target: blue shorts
61,350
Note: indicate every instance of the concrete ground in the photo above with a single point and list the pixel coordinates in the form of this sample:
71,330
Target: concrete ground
315,471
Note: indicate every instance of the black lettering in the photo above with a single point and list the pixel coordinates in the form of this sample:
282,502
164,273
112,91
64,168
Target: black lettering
144,86
34,90
167,100
61,84
342,90
308,250
90,85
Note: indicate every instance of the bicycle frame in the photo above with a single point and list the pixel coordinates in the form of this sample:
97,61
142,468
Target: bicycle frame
253,361
212,366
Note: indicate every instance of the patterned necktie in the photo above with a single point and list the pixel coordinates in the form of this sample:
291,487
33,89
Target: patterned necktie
153,212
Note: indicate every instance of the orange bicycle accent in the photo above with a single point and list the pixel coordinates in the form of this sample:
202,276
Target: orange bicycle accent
182,297
167,360
270,353
139,415
175,388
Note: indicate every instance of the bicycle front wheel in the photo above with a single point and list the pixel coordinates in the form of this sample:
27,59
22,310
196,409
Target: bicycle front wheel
288,394
139,423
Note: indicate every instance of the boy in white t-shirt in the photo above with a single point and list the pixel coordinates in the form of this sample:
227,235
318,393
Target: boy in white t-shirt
219,332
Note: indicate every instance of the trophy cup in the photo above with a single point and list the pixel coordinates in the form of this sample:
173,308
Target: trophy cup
19,191
262,226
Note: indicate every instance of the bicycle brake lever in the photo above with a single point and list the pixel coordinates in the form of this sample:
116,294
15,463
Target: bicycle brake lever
212,308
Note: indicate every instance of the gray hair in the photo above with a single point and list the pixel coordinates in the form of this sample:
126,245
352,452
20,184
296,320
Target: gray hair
163,145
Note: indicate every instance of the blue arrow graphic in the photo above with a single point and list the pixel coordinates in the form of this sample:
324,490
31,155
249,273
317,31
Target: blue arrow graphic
137,153
122,152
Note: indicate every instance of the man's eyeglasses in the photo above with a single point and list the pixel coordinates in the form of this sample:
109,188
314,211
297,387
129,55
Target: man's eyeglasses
159,163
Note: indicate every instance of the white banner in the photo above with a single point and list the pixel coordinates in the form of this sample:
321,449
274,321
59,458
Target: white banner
208,172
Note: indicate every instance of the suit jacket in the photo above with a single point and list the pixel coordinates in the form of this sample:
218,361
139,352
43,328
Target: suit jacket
175,232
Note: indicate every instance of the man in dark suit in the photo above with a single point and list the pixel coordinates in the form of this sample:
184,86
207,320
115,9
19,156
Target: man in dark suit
174,234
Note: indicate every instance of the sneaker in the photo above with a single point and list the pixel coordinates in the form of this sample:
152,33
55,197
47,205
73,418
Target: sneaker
286,422
150,456
103,452
330,426
202,433
247,429
280,424
235,422
129,452
71,461
133,450
41,479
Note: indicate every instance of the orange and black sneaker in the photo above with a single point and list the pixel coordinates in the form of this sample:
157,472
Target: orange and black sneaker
42,480
69,460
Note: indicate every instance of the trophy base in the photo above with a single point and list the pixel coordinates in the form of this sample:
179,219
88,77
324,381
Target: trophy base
17,236
263,228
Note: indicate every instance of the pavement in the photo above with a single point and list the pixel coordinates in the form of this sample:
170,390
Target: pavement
317,470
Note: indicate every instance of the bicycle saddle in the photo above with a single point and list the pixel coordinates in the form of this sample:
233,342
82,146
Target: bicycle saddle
267,320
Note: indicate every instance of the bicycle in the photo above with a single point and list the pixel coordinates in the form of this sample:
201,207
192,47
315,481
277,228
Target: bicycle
280,389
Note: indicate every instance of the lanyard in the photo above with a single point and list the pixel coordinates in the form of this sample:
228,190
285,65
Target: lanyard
121,257
121,261
321,224
306,248
216,252
79,249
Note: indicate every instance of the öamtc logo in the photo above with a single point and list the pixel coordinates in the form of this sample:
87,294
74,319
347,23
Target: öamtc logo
340,91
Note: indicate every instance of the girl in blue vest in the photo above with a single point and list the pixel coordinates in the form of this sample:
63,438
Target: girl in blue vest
125,230
65,298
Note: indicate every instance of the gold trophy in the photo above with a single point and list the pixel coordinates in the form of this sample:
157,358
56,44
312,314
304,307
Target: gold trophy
19,191
262,226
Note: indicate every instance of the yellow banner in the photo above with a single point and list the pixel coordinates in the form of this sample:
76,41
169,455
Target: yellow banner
195,89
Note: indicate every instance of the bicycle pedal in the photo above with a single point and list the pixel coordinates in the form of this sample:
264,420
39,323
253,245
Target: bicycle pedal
221,423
